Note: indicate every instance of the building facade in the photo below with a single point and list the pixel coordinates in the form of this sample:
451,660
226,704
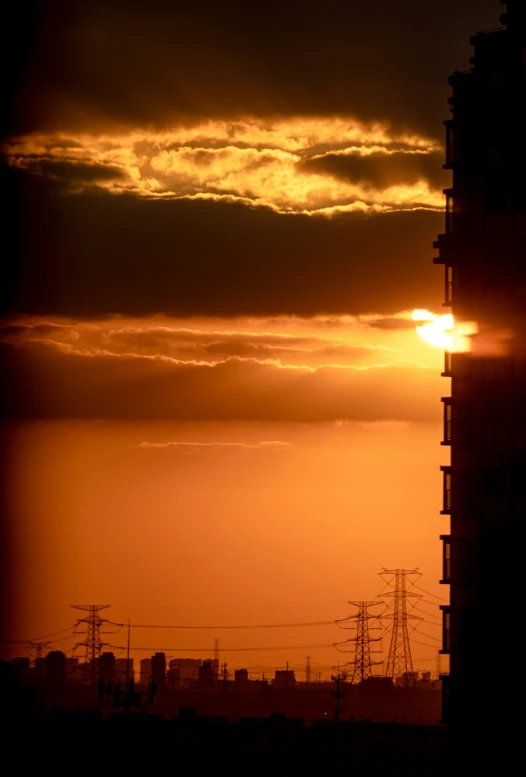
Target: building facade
124,671
159,669
145,671
483,251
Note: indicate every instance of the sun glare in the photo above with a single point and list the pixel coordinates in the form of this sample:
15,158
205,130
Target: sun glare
443,332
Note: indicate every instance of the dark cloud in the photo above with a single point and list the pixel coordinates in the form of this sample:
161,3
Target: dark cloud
382,170
114,63
72,171
34,330
47,381
94,254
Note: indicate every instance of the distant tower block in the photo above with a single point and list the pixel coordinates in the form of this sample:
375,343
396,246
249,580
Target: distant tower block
93,642
399,662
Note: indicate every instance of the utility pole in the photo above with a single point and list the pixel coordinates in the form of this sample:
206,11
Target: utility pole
307,669
362,664
399,661
129,690
216,660
338,691
128,656
92,643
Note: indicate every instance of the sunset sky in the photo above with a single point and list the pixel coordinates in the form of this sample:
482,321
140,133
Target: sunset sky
216,407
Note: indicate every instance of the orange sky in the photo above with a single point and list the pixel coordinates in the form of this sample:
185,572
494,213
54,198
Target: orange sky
217,409
204,522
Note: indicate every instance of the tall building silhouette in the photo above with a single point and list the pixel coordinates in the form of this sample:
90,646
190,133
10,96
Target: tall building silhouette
145,671
484,488
159,669
107,667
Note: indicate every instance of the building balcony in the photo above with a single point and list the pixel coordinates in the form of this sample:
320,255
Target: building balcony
448,364
450,214
446,491
448,420
446,559
448,286
447,245
452,150
446,629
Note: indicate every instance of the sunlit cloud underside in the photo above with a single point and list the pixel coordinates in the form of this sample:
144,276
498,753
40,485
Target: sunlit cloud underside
279,370
253,161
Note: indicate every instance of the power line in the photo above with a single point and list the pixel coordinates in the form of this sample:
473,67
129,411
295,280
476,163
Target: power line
429,623
429,593
432,604
244,626
62,639
428,636
425,644
426,613
231,650
37,639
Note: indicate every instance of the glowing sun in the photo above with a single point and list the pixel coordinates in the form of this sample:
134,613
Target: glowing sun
443,332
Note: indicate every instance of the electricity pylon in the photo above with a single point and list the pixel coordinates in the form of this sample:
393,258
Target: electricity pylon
39,647
361,667
307,669
399,661
93,642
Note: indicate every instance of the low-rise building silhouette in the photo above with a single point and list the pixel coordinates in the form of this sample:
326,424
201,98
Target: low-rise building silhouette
284,678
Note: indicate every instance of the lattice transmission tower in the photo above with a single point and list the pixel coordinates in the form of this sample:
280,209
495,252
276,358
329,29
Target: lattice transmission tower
39,648
399,662
93,642
361,668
